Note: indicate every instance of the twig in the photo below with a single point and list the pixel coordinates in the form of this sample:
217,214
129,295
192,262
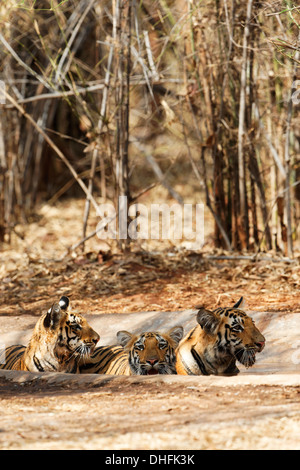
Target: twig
157,170
241,163
284,44
209,205
68,185
251,258
25,66
287,163
282,11
71,40
100,125
101,226
154,73
269,142
3,164
146,71
80,90
279,194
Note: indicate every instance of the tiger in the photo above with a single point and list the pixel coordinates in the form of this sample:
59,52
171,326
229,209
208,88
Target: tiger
148,353
60,337
221,337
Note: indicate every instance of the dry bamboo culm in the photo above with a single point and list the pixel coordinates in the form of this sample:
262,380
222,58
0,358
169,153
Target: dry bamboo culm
120,96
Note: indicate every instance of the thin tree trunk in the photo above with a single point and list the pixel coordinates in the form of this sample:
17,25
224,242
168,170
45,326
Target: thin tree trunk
287,161
3,168
241,157
95,151
122,13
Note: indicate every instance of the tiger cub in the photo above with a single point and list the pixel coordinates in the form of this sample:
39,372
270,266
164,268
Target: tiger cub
60,338
221,337
148,353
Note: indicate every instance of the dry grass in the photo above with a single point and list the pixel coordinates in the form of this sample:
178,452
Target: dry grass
34,271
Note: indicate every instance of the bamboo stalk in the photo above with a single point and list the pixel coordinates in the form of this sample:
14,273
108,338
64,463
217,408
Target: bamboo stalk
25,66
288,206
241,130
59,75
2,144
122,35
3,167
99,128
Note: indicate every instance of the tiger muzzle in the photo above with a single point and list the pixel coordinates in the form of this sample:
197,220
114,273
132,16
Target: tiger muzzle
152,370
260,345
92,340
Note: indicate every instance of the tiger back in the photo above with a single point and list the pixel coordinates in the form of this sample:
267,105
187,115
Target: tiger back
60,337
148,353
220,338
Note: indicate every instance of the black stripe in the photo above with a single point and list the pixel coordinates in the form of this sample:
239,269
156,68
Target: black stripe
69,338
102,352
192,332
227,331
199,362
219,310
106,361
51,365
37,364
96,360
11,355
119,363
101,359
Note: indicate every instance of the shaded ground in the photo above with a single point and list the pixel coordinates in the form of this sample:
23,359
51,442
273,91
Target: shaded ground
257,410
149,413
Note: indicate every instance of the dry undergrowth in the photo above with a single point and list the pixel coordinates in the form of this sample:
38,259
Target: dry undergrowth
34,269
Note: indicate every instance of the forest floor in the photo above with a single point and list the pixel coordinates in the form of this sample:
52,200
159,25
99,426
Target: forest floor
254,410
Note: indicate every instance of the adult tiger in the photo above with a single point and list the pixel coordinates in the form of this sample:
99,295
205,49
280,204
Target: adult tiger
221,337
59,339
144,354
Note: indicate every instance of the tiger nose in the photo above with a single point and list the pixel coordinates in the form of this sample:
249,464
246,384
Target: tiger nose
96,338
261,345
152,362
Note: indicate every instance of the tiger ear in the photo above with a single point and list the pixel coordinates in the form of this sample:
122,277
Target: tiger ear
53,317
176,333
124,337
208,321
239,303
64,302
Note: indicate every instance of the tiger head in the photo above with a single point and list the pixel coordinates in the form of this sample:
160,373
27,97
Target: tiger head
235,333
60,338
221,337
151,353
